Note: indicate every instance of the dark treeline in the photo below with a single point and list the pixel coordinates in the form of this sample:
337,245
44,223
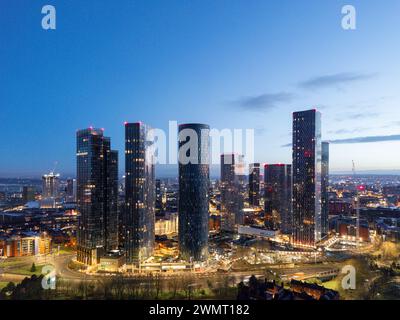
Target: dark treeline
119,287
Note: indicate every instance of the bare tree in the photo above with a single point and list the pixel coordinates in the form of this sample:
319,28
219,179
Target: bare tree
158,285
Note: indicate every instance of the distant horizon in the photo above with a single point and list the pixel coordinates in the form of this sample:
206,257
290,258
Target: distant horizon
213,174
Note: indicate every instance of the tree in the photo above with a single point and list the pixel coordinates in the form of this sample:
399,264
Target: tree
104,286
175,287
119,285
390,250
7,290
29,289
158,285
243,291
186,281
33,268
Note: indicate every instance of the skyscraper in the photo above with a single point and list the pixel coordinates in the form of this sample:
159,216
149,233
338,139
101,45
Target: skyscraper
96,179
50,185
254,184
231,197
240,172
193,191
227,167
139,192
278,197
306,155
159,199
111,216
28,193
228,189
324,188
70,190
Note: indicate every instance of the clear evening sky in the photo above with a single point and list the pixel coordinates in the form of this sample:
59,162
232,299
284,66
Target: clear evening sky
230,64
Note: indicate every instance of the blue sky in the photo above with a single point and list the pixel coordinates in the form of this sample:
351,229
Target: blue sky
231,64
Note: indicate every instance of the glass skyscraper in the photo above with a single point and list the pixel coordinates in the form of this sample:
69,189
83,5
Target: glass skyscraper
111,217
193,191
324,188
159,207
140,191
231,197
306,155
69,190
97,182
278,197
254,184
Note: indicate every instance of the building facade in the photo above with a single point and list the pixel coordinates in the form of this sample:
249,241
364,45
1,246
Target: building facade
140,194
324,189
159,199
193,191
70,190
231,197
51,184
306,155
167,225
25,245
97,168
278,197
28,193
254,184
112,211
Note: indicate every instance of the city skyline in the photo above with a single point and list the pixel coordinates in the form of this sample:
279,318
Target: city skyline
195,157
154,75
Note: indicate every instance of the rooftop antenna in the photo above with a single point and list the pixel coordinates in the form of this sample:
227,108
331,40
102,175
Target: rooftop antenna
357,206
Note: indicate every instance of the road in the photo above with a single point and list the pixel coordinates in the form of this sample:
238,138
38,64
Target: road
60,262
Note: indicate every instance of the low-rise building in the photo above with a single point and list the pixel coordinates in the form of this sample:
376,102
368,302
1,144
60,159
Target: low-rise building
29,244
257,232
347,227
316,291
111,262
270,290
389,228
167,224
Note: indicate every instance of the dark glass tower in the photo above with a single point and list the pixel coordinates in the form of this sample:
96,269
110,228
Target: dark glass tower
159,209
231,197
227,168
139,192
278,197
69,190
111,218
193,191
306,177
28,193
324,189
254,184
97,168
228,190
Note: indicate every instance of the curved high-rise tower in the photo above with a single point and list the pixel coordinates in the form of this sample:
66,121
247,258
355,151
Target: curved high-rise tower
193,190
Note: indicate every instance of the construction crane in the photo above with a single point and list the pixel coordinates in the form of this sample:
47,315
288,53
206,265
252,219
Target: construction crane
356,205
55,166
